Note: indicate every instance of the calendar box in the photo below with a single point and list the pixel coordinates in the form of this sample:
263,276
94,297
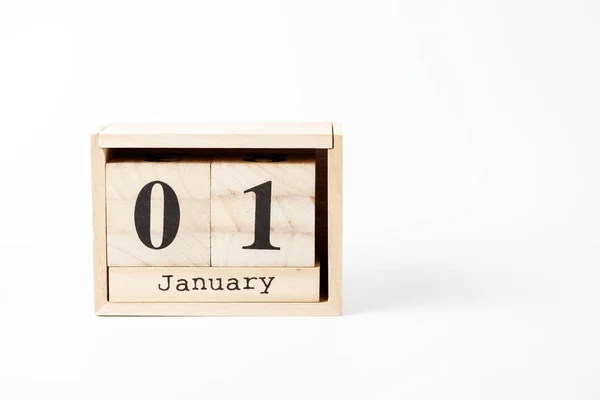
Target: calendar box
217,219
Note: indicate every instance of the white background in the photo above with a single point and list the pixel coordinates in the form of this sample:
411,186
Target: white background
471,208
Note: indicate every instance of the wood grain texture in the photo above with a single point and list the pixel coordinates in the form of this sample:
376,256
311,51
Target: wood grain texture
303,135
292,225
98,162
334,199
190,180
184,285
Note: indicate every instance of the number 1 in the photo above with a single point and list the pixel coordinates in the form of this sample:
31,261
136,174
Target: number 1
262,218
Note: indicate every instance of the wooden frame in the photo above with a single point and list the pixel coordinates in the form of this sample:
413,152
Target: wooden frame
326,136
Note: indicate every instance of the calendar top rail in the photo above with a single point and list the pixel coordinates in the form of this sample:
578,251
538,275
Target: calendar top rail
300,135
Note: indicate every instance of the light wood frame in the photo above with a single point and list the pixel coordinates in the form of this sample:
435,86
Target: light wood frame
251,136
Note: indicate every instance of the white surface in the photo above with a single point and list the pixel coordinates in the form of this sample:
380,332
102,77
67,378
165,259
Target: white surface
472,274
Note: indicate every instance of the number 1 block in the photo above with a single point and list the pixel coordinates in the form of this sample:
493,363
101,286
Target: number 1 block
158,213
263,212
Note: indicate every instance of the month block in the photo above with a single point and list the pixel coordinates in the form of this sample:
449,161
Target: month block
263,212
158,213
200,284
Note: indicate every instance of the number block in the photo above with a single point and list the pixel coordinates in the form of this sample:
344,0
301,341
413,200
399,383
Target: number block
263,212
158,213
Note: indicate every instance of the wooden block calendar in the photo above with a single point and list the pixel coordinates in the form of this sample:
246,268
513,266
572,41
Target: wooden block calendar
217,219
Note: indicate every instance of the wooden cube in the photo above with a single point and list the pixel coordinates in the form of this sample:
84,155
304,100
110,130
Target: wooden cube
158,213
263,212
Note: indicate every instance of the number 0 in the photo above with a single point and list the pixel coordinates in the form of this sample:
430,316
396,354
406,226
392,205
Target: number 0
171,215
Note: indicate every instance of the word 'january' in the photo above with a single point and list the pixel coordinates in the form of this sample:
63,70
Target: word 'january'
245,283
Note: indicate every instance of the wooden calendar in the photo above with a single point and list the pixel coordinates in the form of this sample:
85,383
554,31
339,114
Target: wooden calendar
217,219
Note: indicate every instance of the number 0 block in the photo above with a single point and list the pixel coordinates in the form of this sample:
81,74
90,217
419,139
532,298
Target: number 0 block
158,213
263,212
